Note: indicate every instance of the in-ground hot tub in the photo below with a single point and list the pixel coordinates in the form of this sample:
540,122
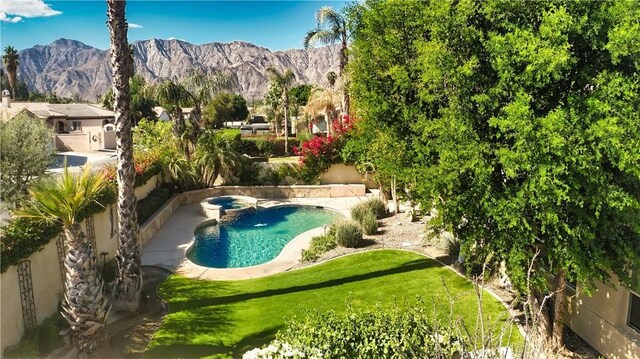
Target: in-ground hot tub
225,208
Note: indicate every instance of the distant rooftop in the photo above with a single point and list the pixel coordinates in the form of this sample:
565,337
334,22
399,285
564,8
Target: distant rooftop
46,110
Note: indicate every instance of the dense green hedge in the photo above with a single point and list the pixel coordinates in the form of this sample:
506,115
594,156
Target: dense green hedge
154,200
24,236
143,178
249,146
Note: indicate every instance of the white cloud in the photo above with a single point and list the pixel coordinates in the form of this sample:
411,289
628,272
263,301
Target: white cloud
24,8
134,26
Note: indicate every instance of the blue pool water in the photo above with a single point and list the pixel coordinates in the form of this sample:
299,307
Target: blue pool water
229,203
72,161
254,238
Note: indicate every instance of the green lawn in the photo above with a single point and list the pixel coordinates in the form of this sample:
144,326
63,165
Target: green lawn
227,318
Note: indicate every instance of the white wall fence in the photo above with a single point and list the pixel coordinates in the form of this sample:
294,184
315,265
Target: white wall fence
46,274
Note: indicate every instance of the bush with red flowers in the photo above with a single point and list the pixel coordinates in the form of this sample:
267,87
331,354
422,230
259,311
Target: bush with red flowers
320,152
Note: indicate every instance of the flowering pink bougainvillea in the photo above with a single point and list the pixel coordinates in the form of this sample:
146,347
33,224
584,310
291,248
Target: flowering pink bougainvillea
320,152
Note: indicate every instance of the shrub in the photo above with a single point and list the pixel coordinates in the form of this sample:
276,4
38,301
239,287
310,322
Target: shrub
359,211
39,342
348,234
376,206
369,223
319,245
150,204
266,146
450,244
394,332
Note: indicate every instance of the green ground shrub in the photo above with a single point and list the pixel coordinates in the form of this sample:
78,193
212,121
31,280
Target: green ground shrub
266,146
386,332
39,342
319,245
377,206
359,211
154,200
348,234
369,223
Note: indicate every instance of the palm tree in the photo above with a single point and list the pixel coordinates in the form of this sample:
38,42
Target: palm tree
323,102
216,155
331,78
62,199
10,60
332,28
283,81
128,284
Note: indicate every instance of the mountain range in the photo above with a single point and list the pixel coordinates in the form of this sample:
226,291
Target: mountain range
71,68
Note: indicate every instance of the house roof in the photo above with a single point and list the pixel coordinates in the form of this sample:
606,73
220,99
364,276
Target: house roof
46,110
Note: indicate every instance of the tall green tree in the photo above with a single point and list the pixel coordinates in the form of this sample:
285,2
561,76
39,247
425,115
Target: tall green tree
331,28
11,62
26,150
225,107
62,199
522,124
128,285
299,96
282,81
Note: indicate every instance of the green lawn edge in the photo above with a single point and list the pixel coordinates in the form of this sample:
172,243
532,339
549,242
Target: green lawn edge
227,318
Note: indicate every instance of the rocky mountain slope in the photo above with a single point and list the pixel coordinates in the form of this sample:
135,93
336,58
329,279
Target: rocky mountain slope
70,68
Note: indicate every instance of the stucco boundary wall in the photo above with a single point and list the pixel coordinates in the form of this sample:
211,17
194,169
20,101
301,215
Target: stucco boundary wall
47,276
336,174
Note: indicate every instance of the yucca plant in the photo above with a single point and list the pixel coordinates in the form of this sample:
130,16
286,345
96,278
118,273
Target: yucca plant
62,199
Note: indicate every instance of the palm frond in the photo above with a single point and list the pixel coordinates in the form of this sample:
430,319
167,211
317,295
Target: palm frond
322,36
63,198
326,15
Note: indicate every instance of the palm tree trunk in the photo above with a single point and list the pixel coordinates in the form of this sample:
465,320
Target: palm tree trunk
84,305
345,80
286,126
128,281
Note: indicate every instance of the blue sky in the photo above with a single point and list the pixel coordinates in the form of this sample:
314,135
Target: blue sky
277,25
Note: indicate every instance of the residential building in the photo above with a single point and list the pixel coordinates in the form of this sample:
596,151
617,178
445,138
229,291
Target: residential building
78,127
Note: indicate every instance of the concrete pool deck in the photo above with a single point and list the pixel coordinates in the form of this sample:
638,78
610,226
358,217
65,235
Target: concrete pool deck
168,247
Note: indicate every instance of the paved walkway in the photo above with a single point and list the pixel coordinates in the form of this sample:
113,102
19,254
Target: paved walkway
167,249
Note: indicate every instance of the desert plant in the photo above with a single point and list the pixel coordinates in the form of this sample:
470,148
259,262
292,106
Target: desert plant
359,211
319,245
369,223
348,234
376,206
449,243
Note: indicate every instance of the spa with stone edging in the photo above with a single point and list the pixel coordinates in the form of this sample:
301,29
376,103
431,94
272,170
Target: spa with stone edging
223,208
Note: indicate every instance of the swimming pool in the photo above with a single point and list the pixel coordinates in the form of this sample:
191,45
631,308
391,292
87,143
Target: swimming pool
255,238
72,161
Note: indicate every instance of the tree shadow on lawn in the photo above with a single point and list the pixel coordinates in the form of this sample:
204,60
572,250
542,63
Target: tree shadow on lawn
212,300
181,350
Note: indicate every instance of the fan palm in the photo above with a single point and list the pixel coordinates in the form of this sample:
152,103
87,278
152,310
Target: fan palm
62,199
128,285
332,28
283,81
10,61
216,155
